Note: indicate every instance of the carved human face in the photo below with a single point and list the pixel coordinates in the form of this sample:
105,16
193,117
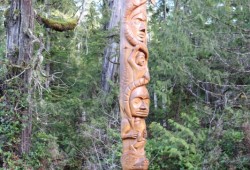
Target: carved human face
138,24
139,102
140,59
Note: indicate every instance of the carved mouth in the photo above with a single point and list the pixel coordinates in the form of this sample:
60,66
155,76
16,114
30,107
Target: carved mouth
142,113
142,34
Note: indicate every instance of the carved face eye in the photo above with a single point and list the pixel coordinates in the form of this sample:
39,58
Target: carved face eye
140,60
146,101
136,102
137,22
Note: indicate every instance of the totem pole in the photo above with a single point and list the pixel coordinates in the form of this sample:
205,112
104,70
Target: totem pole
134,76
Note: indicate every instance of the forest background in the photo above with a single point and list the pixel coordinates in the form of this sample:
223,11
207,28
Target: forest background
67,115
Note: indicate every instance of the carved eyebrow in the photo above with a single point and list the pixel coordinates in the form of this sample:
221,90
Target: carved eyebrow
144,97
142,15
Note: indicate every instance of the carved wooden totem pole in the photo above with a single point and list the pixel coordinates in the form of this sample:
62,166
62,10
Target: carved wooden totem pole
134,76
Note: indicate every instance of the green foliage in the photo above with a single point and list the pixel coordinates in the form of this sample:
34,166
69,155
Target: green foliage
10,128
195,55
178,148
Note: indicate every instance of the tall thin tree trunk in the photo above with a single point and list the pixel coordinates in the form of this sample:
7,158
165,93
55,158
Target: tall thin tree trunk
155,100
110,61
20,20
165,12
47,46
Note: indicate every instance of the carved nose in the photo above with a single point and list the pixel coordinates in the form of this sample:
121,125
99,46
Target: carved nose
142,28
143,106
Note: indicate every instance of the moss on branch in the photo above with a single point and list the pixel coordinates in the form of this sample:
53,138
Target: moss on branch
57,25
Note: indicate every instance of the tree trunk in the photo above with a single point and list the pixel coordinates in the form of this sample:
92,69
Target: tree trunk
20,20
47,46
110,61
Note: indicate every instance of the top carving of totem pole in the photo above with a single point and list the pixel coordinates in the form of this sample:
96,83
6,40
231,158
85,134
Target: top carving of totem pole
134,76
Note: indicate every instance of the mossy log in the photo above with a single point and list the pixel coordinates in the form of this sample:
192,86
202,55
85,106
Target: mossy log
56,25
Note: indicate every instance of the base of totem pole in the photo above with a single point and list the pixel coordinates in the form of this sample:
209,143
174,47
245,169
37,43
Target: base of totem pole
134,161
